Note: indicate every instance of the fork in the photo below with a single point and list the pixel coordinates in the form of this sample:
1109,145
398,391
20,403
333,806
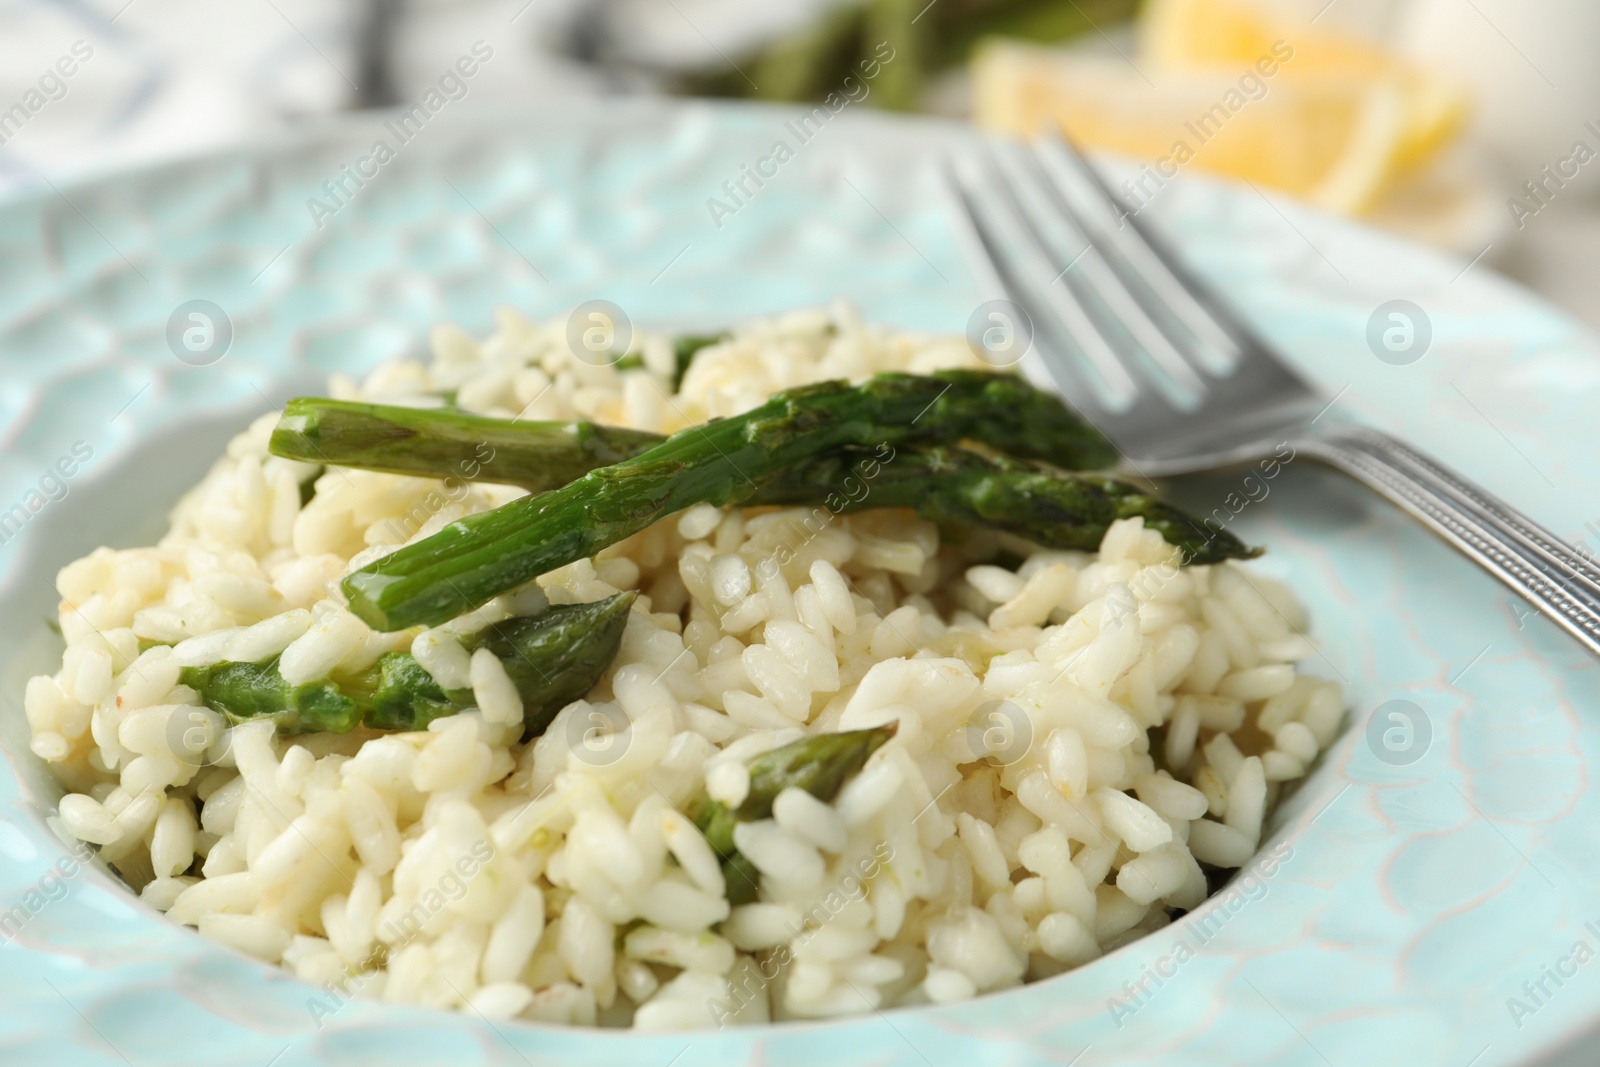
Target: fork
1152,356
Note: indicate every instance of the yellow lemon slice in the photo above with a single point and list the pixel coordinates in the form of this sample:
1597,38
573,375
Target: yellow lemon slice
1236,33
1331,141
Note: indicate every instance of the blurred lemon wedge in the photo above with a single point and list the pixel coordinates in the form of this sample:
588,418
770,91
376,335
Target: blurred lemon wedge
1329,143
1236,33
1216,83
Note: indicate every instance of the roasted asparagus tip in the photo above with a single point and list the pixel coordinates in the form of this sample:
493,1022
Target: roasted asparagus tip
552,658
820,764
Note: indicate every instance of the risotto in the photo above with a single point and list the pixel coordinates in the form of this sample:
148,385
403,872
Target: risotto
1080,740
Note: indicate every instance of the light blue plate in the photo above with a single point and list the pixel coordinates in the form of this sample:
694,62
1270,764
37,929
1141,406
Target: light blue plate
1414,900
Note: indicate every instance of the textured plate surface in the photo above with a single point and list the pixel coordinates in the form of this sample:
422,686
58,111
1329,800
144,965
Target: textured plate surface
1415,895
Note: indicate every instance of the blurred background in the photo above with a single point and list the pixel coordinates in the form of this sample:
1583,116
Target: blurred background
1470,125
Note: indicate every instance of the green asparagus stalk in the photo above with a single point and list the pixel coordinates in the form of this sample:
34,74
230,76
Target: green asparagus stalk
1198,542
554,662
956,487
245,691
725,461
553,659
450,443
960,487
948,485
447,443
820,764
741,878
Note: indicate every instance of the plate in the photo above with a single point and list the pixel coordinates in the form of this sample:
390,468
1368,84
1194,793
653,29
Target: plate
1434,876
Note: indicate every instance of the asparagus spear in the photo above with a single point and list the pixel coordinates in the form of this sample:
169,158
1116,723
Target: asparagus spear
725,461
956,487
537,455
820,764
555,662
445,443
553,658
960,487
1198,542
950,486
244,691
741,878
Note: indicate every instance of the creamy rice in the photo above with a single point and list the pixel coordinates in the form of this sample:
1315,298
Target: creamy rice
1015,827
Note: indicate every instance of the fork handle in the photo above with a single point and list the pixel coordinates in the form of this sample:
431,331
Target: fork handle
1556,578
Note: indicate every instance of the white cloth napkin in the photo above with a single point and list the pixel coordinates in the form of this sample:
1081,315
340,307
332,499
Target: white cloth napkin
91,85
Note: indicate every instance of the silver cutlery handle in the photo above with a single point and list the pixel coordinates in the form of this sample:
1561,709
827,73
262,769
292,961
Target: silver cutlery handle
1553,576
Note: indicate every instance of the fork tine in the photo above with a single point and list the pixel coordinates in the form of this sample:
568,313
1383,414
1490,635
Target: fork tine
1167,283
1099,271
1020,261
1054,341
1087,341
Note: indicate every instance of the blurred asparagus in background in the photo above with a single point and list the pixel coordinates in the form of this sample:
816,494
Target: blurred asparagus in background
925,39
